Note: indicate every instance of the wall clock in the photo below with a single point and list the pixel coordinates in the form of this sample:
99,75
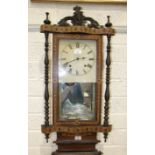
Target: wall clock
77,81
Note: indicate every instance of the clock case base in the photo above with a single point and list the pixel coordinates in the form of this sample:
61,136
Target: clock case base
77,153
67,145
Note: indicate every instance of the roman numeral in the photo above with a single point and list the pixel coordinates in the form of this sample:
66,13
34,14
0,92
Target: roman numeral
84,71
65,65
77,73
70,70
77,45
70,46
90,52
64,51
84,46
91,58
63,59
88,65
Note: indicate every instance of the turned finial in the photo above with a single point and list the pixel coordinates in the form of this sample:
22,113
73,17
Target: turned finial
108,24
47,21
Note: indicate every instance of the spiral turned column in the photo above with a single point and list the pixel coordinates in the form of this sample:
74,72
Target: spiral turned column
46,79
107,90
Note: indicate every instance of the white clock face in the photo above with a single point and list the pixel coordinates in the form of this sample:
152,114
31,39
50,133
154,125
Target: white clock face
77,60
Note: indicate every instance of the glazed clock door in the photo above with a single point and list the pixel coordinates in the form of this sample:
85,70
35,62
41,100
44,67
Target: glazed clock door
78,78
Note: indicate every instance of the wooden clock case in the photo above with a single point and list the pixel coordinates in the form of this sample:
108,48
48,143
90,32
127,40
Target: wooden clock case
75,136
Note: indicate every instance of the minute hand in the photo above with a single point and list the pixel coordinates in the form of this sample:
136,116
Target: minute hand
71,61
74,60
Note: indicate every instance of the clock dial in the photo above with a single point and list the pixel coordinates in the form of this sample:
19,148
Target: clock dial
77,58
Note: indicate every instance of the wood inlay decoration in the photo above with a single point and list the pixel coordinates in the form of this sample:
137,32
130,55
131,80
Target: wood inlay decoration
76,129
76,29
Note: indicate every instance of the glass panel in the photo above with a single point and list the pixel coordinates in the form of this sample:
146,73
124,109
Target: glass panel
77,79
77,101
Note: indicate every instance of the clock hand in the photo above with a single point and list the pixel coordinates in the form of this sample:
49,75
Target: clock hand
71,61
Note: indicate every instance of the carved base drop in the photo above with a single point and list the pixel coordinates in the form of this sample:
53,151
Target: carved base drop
69,145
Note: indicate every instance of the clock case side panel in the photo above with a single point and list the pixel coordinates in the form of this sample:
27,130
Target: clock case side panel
99,69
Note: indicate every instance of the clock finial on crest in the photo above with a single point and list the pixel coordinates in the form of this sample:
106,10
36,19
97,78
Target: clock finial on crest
108,24
47,21
77,8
